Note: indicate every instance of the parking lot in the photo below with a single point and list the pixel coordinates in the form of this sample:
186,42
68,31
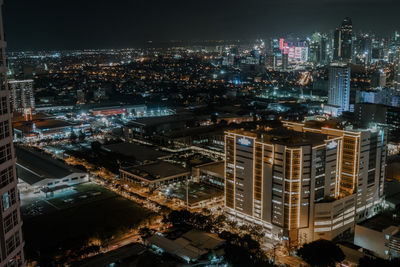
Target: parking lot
36,204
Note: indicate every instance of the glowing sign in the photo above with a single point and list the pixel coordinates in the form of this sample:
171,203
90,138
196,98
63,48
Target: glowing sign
332,145
244,141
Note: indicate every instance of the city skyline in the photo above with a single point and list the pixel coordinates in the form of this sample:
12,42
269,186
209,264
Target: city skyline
43,25
209,133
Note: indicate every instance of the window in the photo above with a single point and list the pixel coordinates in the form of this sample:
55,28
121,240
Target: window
15,217
4,129
8,223
8,199
10,245
5,153
4,106
6,176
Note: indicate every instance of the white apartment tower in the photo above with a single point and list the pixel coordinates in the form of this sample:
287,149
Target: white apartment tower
339,88
11,242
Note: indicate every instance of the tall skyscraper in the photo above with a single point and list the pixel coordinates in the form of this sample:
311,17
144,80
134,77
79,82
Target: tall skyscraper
343,41
303,182
285,61
397,69
11,242
339,88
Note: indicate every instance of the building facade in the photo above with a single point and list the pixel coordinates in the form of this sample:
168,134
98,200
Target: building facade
21,94
303,183
11,241
339,87
397,69
343,41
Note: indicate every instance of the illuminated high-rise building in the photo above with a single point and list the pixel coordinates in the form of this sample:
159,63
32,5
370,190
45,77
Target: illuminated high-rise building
339,88
397,69
11,241
303,182
285,61
343,41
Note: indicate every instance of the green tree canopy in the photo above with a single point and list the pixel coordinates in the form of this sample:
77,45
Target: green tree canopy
321,253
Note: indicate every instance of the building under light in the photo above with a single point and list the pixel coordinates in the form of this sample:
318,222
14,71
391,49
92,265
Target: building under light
22,97
303,182
339,89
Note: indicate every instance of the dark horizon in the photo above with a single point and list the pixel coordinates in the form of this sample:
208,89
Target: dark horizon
67,25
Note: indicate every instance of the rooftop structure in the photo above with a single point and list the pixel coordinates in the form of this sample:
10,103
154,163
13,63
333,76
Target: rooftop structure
154,174
41,172
140,153
380,235
190,247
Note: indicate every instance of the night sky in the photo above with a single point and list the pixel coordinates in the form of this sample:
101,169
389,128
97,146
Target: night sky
74,24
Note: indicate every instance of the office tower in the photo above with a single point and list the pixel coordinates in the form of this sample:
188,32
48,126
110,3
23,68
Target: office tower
316,49
11,242
270,61
276,48
378,79
285,61
303,182
80,96
324,49
397,69
319,48
21,95
339,88
343,41
363,49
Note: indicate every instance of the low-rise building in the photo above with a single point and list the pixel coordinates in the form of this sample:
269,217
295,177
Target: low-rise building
145,127
191,246
380,235
210,173
154,174
40,173
139,153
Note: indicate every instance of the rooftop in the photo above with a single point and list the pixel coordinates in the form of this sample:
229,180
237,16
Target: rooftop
190,246
379,222
284,136
157,170
41,124
152,121
139,152
34,166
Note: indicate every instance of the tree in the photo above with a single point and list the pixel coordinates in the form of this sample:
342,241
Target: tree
81,136
96,145
243,251
321,253
177,217
144,232
73,136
